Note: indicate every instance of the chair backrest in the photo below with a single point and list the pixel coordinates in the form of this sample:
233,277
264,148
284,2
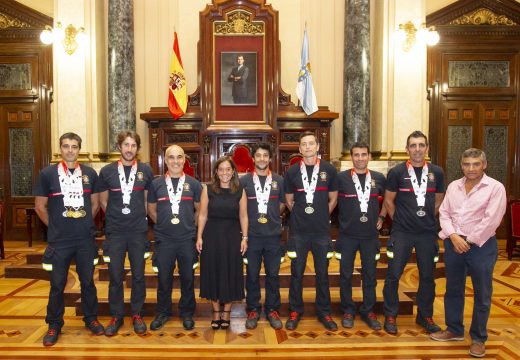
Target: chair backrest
294,158
188,169
515,217
242,158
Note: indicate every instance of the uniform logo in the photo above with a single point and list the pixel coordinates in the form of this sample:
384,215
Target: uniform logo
140,176
274,185
323,176
373,183
186,187
85,179
431,177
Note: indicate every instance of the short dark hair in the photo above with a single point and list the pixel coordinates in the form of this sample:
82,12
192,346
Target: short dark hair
263,146
308,133
131,134
416,134
359,144
70,136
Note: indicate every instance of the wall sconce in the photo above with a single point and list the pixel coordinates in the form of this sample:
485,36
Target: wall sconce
408,35
70,38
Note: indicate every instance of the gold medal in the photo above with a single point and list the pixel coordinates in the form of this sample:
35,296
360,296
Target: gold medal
76,214
262,219
82,213
70,214
309,210
175,221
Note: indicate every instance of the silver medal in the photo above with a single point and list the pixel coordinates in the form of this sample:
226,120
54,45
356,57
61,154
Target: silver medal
309,210
125,211
363,219
421,213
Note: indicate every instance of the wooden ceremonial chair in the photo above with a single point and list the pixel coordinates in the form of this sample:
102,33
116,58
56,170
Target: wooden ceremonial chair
188,169
2,250
294,158
514,236
242,158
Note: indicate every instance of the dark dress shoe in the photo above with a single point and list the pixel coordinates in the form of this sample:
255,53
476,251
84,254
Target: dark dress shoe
159,321
188,323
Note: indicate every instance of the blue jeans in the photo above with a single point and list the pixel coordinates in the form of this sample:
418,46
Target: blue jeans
269,248
426,248
479,262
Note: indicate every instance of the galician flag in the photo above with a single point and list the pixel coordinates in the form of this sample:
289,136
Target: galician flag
177,95
304,88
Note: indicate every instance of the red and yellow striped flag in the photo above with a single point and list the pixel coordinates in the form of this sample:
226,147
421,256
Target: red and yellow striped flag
177,94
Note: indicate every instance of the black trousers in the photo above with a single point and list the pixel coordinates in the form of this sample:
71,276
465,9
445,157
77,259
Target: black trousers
426,249
319,245
348,246
268,248
166,253
117,247
84,251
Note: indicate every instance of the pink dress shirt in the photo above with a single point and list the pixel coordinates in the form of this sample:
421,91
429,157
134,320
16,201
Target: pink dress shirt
477,214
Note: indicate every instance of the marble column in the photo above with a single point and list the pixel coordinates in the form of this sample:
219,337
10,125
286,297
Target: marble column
121,79
356,84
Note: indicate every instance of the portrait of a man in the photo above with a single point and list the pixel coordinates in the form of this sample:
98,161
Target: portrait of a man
238,78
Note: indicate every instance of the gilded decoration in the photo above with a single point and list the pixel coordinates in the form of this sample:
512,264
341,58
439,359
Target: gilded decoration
239,22
7,21
483,16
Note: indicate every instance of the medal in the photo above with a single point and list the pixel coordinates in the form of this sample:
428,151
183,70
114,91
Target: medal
174,196
262,219
82,213
421,213
71,187
126,186
309,210
363,218
419,190
309,187
363,195
175,221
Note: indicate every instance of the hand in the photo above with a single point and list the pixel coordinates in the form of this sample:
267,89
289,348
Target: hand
379,224
459,244
243,247
198,245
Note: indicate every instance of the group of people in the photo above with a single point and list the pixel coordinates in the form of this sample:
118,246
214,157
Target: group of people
232,221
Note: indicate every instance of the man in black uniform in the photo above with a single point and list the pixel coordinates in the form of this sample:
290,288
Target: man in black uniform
359,191
173,204
66,200
311,193
123,187
265,201
414,193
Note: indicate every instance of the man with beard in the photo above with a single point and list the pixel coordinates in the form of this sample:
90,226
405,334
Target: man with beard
173,205
311,192
359,191
123,186
265,201
414,192
66,200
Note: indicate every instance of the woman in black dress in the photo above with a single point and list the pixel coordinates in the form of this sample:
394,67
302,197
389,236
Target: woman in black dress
222,240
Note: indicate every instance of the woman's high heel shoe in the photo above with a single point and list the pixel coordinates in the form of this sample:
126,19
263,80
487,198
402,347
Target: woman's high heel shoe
216,324
224,324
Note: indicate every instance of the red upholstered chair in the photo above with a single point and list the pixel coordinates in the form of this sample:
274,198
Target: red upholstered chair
514,236
2,250
188,169
242,158
294,158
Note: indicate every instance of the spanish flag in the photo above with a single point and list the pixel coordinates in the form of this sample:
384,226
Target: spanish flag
177,95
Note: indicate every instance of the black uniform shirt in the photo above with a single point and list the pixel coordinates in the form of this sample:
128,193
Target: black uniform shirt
319,221
273,227
405,216
116,221
158,193
348,204
63,229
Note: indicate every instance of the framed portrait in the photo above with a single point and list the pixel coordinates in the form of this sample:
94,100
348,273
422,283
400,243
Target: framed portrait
238,78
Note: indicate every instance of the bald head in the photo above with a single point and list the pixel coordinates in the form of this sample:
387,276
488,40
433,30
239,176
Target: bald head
175,158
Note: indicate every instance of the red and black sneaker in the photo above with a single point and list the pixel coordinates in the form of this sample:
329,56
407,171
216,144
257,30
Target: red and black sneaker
95,328
51,337
371,320
252,320
328,322
292,322
274,320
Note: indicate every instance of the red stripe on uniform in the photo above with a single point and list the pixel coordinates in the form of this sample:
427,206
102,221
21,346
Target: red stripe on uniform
115,189
321,188
411,189
55,194
138,187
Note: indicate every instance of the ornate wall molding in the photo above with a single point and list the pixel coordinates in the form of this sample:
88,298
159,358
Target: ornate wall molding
7,21
483,16
239,22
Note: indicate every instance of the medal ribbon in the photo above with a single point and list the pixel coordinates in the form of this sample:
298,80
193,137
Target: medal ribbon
309,188
71,186
175,197
126,187
419,191
262,195
363,197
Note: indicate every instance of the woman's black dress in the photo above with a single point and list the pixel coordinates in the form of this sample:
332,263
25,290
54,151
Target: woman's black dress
221,269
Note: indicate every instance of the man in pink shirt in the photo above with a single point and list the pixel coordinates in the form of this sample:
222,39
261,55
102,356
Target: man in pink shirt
469,215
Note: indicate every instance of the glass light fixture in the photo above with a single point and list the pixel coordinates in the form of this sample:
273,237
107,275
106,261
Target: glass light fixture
408,35
70,37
